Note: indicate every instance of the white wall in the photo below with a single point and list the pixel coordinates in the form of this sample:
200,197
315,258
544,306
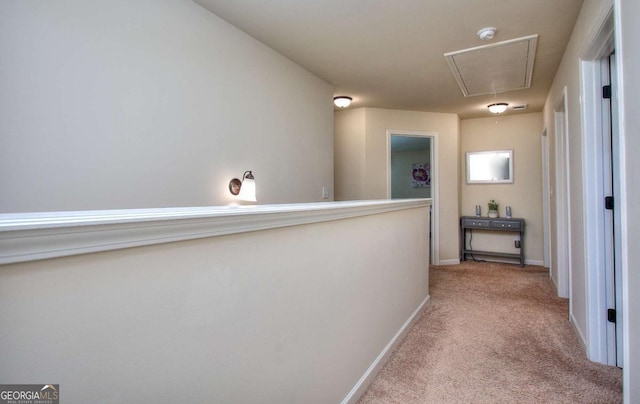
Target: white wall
628,55
628,50
374,124
121,104
569,75
521,133
290,315
349,156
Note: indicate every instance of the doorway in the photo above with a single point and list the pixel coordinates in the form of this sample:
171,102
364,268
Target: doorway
601,156
546,201
562,203
411,173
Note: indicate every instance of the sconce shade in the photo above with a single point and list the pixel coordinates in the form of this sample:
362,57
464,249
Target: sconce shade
342,101
498,108
245,189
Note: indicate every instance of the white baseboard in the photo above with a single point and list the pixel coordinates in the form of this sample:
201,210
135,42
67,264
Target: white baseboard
382,358
554,282
488,258
455,261
575,327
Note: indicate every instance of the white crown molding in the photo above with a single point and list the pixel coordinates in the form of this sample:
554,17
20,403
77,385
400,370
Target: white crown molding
35,236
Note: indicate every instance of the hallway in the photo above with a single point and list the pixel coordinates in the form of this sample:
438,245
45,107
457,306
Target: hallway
493,333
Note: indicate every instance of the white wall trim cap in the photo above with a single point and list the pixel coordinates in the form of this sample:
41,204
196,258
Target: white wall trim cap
35,236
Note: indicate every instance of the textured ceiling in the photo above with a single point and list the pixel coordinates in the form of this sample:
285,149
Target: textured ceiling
390,54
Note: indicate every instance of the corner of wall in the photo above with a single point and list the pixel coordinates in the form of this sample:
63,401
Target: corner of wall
349,154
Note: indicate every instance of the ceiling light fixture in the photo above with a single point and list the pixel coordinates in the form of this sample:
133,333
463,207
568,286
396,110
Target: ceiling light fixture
498,108
487,33
342,101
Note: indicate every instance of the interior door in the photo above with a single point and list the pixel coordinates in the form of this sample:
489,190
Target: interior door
562,260
611,157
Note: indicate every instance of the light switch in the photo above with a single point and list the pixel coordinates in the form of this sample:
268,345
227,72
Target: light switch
325,192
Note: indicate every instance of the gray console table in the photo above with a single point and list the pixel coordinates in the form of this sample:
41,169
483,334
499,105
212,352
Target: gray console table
489,224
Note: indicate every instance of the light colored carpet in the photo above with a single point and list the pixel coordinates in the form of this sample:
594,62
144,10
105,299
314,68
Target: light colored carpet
493,333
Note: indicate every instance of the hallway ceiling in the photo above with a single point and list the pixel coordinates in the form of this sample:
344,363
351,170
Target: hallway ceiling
390,54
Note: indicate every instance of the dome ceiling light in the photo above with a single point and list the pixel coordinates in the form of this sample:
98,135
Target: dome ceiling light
498,108
342,101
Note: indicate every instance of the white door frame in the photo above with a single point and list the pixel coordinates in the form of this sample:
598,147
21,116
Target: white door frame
546,201
601,344
563,201
435,212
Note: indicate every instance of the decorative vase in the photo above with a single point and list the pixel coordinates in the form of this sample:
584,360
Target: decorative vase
493,214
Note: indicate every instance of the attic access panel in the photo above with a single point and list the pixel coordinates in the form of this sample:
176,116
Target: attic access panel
495,68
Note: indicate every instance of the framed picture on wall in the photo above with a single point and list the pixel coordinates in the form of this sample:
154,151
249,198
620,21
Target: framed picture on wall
421,175
490,167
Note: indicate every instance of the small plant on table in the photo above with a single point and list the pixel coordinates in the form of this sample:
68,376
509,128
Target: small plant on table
493,208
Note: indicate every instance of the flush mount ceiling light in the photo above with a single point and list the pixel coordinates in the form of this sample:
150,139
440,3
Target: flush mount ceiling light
487,33
342,101
498,108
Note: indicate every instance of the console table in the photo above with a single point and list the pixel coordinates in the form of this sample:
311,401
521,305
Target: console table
490,224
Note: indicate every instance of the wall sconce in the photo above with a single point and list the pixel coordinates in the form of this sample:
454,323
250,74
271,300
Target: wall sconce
245,189
342,101
498,108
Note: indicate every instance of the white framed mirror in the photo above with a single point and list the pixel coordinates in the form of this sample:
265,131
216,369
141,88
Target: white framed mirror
490,167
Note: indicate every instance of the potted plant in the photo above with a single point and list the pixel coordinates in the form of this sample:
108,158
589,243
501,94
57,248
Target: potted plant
493,208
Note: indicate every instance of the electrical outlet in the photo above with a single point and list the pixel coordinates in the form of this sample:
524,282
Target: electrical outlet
325,192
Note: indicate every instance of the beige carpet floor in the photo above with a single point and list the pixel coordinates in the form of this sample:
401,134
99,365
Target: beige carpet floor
493,333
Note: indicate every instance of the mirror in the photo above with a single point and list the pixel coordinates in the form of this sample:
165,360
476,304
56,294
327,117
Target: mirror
490,167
